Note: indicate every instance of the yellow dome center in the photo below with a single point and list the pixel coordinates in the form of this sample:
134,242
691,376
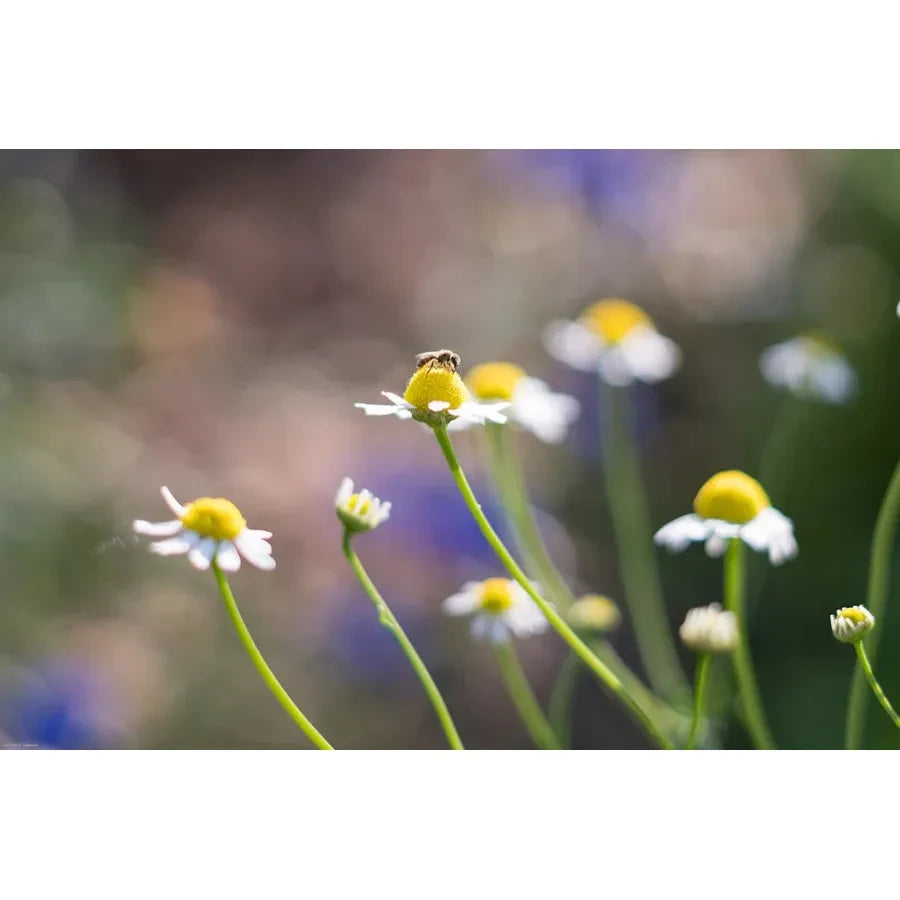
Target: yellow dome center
430,383
857,617
614,319
214,517
494,380
496,595
731,496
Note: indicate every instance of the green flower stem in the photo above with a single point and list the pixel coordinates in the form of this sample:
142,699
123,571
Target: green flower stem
876,602
523,697
559,706
506,469
866,667
603,672
703,664
387,618
268,676
631,524
743,667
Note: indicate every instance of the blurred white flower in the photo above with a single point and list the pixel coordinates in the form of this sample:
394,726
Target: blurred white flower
616,339
498,606
709,629
436,395
209,528
851,623
809,366
544,413
359,511
732,505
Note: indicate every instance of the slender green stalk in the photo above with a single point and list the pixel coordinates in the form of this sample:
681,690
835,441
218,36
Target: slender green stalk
523,697
743,667
389,620
876,602
703,664
268,676
866,666
637,559
559,707
602,671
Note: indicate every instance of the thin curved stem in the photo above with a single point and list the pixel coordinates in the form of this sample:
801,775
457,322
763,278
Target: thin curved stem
631,523
743,667
601,670
866,666
389,620
559,706
702,680
523,697
876,602
268,676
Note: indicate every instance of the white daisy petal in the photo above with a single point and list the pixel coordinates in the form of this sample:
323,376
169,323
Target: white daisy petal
258,533
649,356
465,601
573,344
497,631
677,534
438,405
716,546
171,547
171,502
397,400
378,409
157,529
227,557
344,492
256,551
201,556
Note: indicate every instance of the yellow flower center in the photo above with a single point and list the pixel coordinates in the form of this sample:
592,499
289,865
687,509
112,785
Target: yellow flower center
594,612
732,496
857,617
614,319
430,383
359,510
214,517
496,595
494,380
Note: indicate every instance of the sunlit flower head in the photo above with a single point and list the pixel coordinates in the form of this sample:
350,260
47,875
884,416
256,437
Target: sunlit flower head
809,366
498,606
732,505
616,339
209,528
595,613
852,623
535,407
359,511
436,395
709,629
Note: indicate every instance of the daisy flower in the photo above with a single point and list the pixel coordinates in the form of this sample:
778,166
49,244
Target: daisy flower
710,629
851,624
437,396
359,512
616,339
594,613
209,528
498,606
544,413
732,505
809,366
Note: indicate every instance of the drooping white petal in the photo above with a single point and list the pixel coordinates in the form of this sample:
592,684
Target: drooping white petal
227,557
344,493
544,413
613,367
397,400
171,547
380,409
465,601
648,355
771,531
573,344
201,556
258,533
716,545
171,502
524,617
438,405
677,534
157,529
256,551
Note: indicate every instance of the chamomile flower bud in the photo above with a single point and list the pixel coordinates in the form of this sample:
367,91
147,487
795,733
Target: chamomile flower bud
617,339
851,624
810,366
709,629
594,613
732,505
436,395
207,529
359,511
544,413
498,606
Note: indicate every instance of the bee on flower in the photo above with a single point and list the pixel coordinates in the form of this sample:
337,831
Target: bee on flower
499,607
533,406
617,339
852,624
207,529
732,505
436,395
359,511
809,366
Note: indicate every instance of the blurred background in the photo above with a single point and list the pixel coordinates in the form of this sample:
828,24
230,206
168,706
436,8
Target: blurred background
206,320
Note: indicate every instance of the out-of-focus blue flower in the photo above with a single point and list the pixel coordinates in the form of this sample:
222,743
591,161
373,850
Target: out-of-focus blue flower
57,708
